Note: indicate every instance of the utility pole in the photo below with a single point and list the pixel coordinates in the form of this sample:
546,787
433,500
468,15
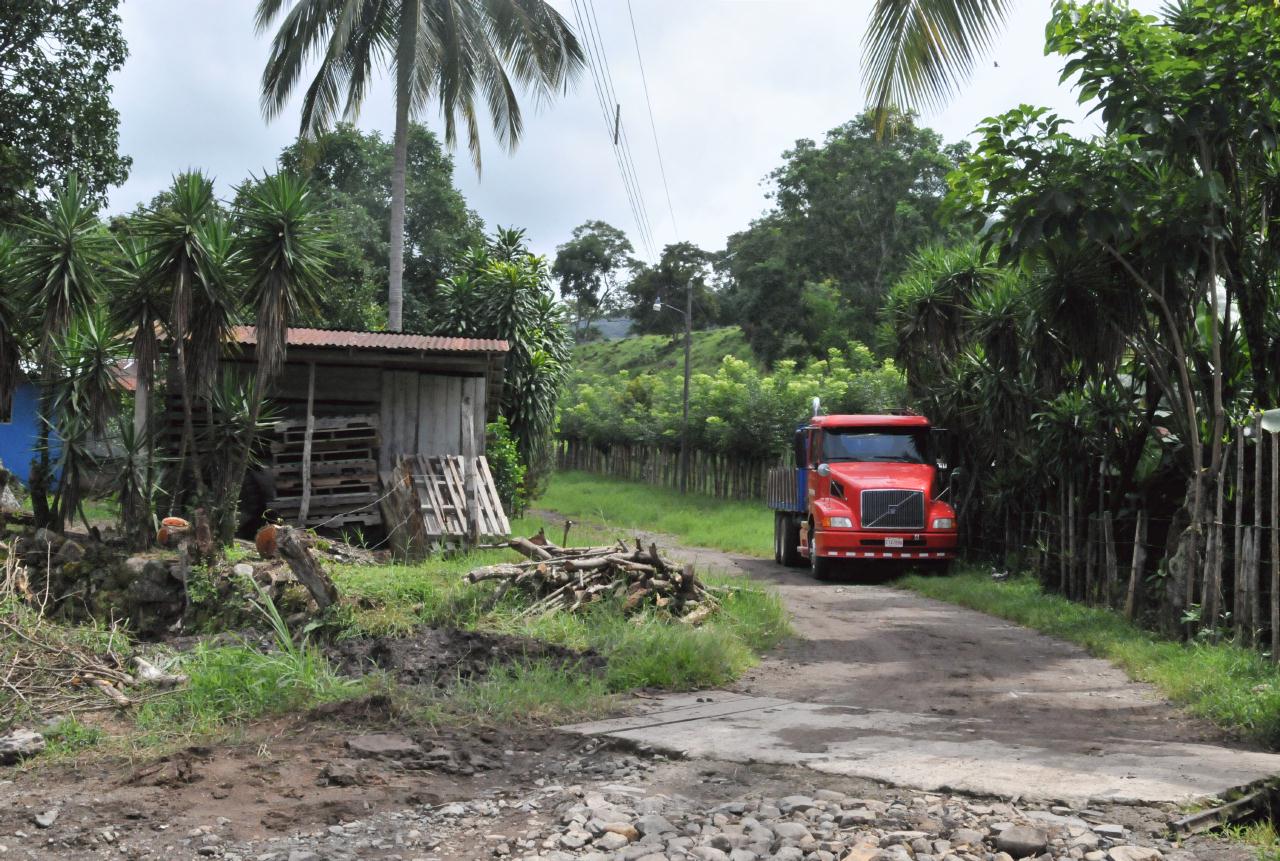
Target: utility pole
684,423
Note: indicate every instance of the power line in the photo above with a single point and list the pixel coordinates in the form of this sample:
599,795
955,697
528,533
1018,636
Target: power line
607,100
593,23
653,126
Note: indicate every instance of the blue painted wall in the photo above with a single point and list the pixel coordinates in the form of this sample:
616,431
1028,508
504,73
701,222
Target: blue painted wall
19,436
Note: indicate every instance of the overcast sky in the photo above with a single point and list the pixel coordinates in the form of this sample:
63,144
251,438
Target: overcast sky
734,83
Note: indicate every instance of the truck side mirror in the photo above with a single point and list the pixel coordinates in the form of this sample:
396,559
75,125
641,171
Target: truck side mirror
956,474
824,470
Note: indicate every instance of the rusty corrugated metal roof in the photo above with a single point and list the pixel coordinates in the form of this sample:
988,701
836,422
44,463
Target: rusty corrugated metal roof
378,341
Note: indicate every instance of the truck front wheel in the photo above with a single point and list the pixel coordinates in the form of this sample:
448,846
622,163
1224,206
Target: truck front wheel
820,566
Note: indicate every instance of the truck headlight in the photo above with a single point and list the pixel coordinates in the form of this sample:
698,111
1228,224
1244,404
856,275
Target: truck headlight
944,523
840,522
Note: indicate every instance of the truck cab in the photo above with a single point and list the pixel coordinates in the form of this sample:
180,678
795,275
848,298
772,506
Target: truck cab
865,488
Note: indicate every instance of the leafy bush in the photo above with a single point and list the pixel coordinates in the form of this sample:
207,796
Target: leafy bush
504,462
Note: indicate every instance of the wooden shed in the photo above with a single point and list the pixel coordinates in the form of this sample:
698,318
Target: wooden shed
360,411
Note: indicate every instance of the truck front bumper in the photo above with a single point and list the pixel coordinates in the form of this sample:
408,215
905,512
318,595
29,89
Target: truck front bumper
853,544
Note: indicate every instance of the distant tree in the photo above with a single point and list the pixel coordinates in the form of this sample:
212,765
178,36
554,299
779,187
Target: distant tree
588,267
658,293
56,118
447,52
350,173
848,213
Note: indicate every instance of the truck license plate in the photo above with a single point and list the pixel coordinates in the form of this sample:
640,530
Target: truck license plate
893,542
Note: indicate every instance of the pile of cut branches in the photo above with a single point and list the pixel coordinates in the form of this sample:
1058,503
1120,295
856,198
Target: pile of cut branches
48,669
570,578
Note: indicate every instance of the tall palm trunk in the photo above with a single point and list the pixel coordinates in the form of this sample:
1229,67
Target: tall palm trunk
188,421
141,404
399,166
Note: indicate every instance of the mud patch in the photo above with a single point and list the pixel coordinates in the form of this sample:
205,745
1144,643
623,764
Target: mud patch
440,657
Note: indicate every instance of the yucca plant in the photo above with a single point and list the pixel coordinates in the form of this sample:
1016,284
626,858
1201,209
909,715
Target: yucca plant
239,418
85,397
137,485
12,325
286,246
58,271
178,262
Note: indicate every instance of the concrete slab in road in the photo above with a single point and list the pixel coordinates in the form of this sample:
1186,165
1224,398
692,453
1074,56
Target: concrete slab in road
934,753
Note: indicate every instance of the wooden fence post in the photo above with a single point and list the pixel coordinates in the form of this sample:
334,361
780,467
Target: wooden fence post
1090,537
1255,562
304,507
1062,539
1112,566
1138,564
1275,546
469,470
1237,561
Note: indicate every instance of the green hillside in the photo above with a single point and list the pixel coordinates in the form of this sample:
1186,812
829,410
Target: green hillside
659,352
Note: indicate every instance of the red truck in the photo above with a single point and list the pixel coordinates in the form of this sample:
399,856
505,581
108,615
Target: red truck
863,488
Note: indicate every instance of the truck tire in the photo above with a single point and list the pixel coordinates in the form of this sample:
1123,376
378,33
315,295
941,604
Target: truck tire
820,566
777,537
791,541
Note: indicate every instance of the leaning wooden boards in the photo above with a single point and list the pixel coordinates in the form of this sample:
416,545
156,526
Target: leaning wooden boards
425,504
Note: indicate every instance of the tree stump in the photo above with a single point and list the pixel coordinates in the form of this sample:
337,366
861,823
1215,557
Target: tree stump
293,549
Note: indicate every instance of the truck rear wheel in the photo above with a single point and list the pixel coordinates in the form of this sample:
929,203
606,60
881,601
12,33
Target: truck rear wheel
789,533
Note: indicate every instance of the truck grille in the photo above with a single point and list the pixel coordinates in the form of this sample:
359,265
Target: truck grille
892,509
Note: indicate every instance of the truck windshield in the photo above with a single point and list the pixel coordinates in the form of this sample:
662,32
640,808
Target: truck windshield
896,446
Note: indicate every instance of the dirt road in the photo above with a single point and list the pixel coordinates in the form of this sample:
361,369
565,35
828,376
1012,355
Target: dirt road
886,685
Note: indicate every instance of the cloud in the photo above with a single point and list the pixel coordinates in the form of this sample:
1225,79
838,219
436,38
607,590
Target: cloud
733,84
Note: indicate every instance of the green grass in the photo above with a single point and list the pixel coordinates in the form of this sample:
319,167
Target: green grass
1261,836
105,510
700,521
231,685
650,353
69,736
647,650
1235,687
537,693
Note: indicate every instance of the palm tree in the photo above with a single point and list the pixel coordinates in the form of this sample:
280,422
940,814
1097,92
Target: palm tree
916,53
451,52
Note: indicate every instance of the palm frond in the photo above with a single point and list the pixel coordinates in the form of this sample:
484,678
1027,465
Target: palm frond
284,234
917,53
61,261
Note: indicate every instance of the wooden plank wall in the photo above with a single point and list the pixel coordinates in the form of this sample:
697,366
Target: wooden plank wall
422,414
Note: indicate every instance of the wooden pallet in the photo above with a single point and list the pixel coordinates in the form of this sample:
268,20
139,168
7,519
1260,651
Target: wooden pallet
425,504
344,484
